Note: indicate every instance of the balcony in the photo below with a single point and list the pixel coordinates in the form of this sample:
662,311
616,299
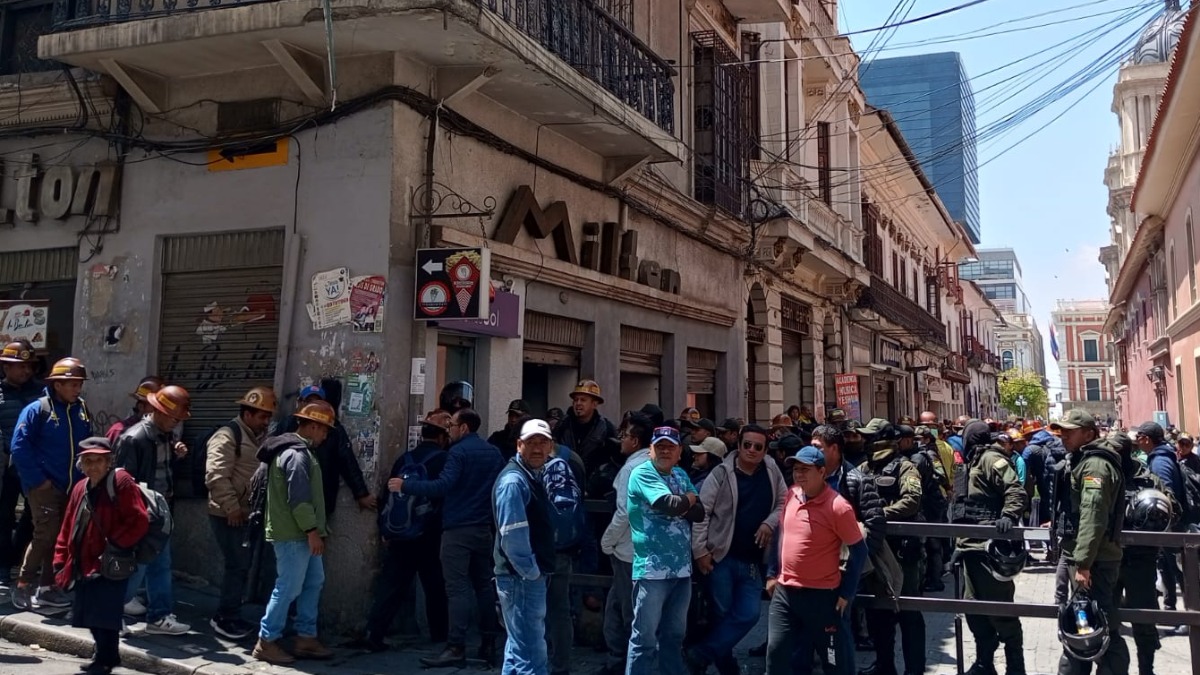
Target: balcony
890,305
954,369
760,11
787,187
566,64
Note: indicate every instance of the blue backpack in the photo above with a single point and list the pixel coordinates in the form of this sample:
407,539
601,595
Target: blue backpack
405,517
567,512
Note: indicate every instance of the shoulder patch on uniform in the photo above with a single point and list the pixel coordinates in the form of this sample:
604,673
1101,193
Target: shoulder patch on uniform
1000,464
1093,482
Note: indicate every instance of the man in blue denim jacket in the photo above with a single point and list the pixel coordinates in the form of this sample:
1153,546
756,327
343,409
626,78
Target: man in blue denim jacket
524,551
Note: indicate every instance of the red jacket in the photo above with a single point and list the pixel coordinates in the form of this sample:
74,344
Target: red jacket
125,522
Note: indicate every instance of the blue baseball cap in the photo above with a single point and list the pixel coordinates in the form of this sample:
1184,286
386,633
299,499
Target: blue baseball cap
312,390
807,455
665,434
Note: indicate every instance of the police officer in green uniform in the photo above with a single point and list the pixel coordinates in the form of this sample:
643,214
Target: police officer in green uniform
899,485
1093,509
1139,566
988,492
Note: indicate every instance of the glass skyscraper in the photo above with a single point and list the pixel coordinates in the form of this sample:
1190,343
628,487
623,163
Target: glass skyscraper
931,100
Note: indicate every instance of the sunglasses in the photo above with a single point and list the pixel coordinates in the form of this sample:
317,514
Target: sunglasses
751,445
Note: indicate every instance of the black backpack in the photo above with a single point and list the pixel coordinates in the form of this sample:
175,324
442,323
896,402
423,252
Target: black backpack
258,495
198,457
1191,483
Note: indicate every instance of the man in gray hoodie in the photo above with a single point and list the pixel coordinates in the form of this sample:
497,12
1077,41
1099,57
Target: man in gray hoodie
742,498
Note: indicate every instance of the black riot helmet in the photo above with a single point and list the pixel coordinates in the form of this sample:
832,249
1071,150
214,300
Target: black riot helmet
456,396
1149,511
1083,643
1005,559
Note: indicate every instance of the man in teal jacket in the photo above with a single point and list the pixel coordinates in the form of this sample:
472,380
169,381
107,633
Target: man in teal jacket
295,527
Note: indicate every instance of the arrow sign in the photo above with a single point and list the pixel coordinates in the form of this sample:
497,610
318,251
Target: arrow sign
452,283
430,267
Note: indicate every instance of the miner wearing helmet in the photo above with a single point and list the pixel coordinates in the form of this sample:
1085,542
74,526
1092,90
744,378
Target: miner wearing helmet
334,452
296,528
229,465
44,443
141,407
585,431
17,390
146,451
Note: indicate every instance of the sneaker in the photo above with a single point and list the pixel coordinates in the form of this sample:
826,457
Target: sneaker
167,625
49,596
231,627
22,597
126,631
135,607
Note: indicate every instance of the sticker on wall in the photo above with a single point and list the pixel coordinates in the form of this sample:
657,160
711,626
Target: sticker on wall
363,361
416,381
24,320
367,295
360,390
112,337
330,298
414,436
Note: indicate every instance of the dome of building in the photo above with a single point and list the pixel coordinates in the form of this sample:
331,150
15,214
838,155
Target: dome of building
1160,37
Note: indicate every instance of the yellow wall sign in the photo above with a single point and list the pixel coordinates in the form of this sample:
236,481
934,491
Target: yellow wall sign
269,155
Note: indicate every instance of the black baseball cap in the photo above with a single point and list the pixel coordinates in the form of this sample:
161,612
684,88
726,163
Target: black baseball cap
519,406
730,424
905,431
1153,431
707,425
790,444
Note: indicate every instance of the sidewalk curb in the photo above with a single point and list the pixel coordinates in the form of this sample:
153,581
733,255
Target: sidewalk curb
63,641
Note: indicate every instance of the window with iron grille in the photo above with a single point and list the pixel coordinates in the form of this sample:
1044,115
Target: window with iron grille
824,173
21,24
933,303
621,10
751,49
722,139
872,243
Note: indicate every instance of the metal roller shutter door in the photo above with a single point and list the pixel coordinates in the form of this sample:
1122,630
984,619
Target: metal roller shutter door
702,371
219,329
641,351
51,272
553,340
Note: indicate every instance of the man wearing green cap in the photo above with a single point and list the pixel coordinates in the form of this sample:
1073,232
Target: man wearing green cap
1089,512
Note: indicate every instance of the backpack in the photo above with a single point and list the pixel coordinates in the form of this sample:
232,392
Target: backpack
198,457
1191,483
565,500
406,517
258,496
159,512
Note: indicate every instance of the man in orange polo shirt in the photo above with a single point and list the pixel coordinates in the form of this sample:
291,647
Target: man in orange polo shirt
804,579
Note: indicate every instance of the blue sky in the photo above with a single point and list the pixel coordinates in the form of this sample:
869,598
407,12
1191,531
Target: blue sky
1046,197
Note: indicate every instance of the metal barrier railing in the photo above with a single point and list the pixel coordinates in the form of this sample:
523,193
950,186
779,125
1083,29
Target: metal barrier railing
1187,542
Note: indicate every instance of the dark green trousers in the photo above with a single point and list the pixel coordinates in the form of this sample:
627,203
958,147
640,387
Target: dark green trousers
1135,590
990,631
1105,576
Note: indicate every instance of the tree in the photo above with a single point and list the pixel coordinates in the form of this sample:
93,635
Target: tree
1021,393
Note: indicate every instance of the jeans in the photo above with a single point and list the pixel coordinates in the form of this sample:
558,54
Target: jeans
47,506
523,604
560,633
660,608
237,565
467,563
160,597
299,576
618,614
735,591
801,621
402,562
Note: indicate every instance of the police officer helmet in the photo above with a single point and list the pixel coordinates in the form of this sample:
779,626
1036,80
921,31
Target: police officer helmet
1090,644
456,396
1005,559
1149,511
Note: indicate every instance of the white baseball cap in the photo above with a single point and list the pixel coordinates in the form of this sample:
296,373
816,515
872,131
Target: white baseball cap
536,428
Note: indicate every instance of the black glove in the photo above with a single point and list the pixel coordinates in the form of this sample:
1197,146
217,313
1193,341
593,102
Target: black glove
1004,524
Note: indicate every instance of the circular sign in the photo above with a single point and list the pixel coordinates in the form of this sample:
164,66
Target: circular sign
434,298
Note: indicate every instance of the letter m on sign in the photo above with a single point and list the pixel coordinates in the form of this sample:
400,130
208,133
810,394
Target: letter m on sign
523,211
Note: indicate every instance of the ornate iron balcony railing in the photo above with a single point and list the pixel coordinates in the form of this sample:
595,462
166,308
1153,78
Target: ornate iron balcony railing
893,306
604,50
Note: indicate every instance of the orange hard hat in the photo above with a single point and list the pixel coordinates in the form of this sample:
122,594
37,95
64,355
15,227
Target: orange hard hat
18,351
319,412
172,401
68,369
260,398
148,385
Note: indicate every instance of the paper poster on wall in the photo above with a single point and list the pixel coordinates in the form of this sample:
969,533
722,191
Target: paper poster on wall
331,298
25,320
414,436
360,390
367,296
846,386
416,382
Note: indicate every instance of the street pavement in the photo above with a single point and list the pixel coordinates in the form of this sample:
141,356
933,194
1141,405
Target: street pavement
58,648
